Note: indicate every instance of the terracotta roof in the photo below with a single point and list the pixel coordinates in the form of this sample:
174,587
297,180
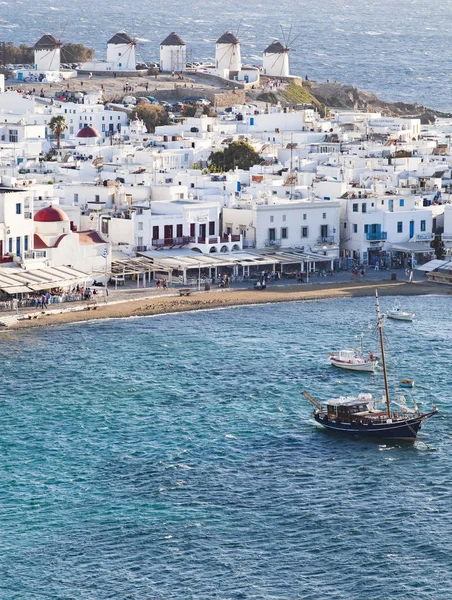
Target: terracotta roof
120,38
275,48
88,132
47,42
173,40
228,38
89,237
50,214
39,243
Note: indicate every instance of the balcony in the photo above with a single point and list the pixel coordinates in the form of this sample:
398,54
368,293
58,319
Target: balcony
325,239
170,242
28,215
33,254
379,236
272,243
424,237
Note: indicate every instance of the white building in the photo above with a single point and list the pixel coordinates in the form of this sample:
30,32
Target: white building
55,236
276,60
374,228
16,221
173,53
280,223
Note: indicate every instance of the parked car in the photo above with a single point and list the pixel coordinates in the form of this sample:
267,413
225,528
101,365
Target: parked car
203,102
129,100
152,100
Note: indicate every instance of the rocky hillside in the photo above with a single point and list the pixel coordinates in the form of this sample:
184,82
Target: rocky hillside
345,97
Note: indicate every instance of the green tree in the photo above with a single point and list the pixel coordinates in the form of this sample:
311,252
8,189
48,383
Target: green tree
237,154
152,115
58,126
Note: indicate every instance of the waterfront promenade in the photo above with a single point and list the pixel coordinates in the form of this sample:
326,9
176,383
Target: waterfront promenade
132,301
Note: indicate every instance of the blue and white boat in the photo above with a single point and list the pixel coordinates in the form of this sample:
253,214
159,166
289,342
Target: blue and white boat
368,416
398,314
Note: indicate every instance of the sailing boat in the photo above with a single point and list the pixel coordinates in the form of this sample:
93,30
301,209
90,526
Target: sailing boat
361,415
352,361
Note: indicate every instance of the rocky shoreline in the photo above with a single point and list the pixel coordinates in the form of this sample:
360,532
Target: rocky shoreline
349,97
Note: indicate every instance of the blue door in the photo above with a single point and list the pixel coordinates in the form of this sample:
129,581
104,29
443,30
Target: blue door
391,205
411,229
18,246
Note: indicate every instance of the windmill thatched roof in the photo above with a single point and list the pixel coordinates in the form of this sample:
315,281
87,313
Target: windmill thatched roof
228,38
47,42
275,48
120,38
173,40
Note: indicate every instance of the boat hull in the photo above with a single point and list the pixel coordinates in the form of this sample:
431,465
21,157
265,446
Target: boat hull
399,430
400,316
368,367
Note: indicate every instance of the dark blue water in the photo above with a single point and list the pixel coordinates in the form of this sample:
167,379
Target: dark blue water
173,458
399,49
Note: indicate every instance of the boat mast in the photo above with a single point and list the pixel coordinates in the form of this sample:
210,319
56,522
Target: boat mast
383,358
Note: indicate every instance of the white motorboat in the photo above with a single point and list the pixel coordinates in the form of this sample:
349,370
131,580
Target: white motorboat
349,359
397,313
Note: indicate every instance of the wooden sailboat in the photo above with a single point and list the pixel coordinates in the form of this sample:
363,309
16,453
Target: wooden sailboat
362,415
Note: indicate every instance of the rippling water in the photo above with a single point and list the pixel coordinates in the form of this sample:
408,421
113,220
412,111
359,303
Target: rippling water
173,457
402,54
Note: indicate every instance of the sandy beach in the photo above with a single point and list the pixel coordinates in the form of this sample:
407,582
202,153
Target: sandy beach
173,303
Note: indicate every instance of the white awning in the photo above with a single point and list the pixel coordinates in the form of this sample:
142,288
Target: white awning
15,280
431,265
412,247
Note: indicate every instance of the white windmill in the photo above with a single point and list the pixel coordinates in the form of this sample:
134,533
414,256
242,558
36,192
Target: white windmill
121,52
173,53
276,56
47,53
227,54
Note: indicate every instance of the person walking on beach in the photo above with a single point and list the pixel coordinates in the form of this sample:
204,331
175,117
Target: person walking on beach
43,301
158,284
165,285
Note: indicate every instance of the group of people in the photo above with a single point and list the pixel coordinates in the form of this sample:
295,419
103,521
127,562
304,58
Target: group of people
161,284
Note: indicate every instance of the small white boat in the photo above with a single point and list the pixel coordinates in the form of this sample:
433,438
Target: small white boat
349,359
397,313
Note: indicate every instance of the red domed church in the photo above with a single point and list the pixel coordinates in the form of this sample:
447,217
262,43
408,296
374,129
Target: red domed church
55,234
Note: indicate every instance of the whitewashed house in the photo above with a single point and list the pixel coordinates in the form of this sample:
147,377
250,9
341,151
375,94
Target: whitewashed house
16,222
276,222
376,228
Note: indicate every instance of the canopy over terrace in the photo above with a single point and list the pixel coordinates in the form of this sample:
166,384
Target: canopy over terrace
15,280
238,263
140,268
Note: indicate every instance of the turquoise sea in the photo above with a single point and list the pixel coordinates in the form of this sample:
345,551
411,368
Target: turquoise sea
174,458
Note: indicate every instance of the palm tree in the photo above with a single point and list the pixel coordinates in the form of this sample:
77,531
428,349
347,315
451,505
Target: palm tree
58,126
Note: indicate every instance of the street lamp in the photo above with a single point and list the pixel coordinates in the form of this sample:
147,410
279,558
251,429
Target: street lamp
199,277
307,269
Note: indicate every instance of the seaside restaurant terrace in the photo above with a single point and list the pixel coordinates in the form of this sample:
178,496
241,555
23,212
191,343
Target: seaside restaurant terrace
186,267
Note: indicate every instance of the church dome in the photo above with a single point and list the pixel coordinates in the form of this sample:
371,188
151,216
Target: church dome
50,214
88,132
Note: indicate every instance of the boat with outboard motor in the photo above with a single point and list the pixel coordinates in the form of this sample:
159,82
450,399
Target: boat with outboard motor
352,360
398,314
364,416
